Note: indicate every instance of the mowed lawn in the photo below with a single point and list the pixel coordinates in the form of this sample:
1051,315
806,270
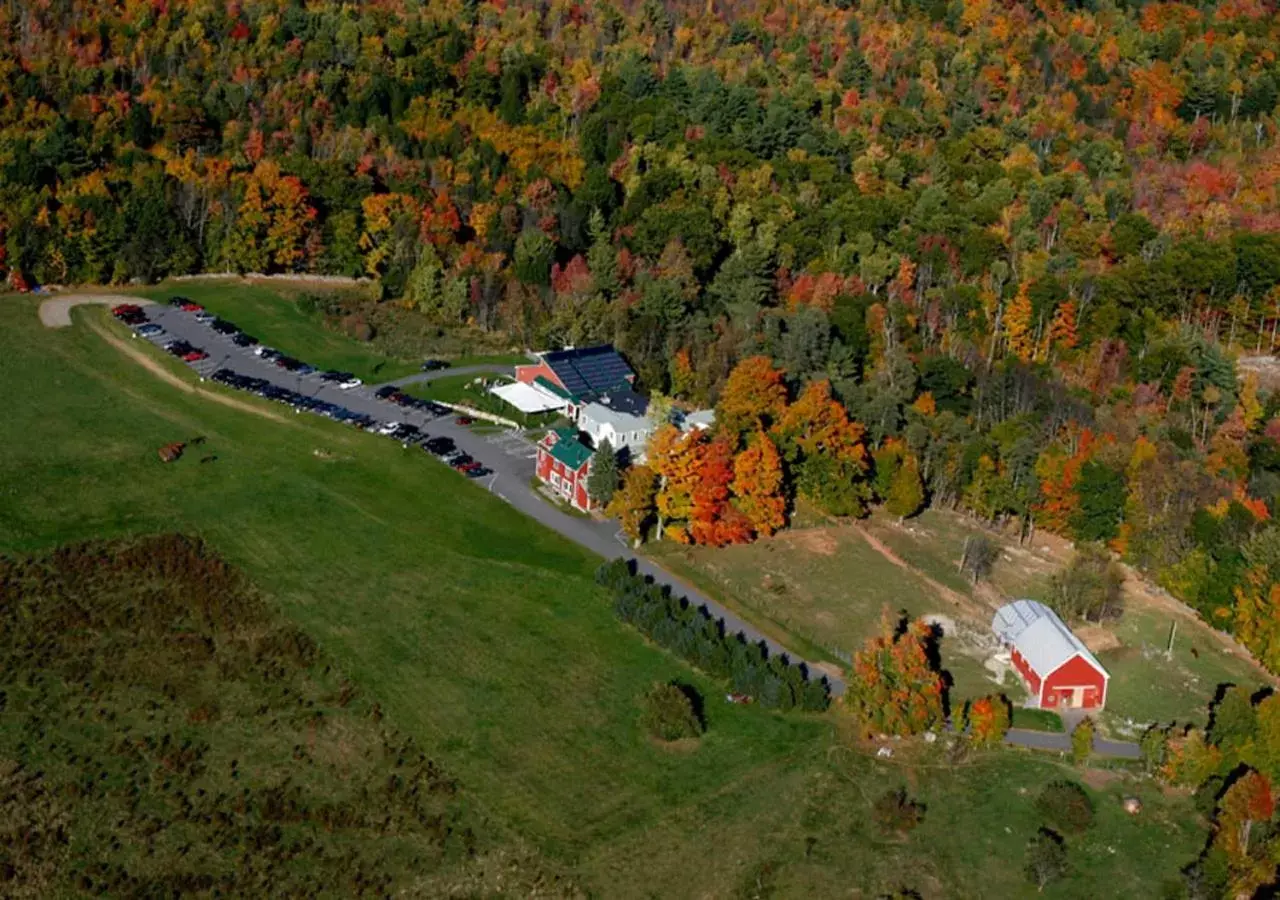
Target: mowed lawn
482,635
823,588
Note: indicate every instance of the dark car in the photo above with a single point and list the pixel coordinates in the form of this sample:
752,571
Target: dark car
179,348
331,375
477,472
222,326
434,365
289,364
440,445
244,340
178,302
386,391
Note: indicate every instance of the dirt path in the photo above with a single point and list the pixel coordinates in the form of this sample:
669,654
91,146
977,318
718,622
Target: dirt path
156,369
960,602
56,311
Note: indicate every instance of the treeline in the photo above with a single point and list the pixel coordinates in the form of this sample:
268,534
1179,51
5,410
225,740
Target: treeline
692,633
1232,765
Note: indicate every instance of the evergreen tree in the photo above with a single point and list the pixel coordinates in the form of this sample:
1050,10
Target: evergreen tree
602,482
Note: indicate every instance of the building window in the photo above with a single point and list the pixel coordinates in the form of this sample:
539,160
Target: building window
555,480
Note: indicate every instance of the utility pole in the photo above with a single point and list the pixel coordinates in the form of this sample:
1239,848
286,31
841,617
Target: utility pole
1173,630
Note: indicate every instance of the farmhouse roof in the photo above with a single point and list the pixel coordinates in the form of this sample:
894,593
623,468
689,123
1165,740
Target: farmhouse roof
568,449
1042,638
589,370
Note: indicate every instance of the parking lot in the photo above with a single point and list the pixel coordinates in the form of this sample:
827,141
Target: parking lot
254,369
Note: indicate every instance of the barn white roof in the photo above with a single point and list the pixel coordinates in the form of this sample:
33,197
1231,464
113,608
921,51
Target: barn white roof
528,398
1042,638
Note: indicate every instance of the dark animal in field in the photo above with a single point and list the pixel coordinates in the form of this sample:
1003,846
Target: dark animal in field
171,452
208,459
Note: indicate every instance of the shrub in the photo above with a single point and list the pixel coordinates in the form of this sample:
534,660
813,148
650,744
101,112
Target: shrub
896,813
670,713
1066,807
1046,858
1082,742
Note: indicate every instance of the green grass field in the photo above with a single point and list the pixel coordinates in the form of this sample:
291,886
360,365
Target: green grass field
274,317
484,638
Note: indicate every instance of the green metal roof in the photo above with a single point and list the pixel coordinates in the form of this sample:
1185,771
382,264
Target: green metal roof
543,381
568,449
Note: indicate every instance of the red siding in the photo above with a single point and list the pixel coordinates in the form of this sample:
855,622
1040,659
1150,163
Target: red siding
1075,672
529,374
576,493
1028,674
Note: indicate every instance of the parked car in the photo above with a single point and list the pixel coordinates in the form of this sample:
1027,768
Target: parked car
178,302
124,309
222,326
351,382
478,472
178,348
388,427
288,363
195,355
440,445
386,391
150,329
243,340
463,420
192,307
434,365
305,369
204,317
266,353
332,375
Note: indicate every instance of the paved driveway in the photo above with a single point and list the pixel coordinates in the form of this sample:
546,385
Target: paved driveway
510,460
1052,740
483,369
56,311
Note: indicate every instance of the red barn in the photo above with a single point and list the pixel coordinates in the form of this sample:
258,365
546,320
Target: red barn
1057,668
564,463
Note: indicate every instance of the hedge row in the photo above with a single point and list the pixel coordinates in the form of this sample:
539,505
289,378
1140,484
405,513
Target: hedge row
691,632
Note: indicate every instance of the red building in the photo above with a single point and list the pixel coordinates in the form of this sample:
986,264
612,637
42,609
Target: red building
1055,665
578,374
564,463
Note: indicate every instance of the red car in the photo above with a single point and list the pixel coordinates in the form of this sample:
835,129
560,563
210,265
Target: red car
125,309
463,420
195,356
192,307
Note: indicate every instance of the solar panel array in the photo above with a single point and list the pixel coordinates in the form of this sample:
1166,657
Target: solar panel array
590,370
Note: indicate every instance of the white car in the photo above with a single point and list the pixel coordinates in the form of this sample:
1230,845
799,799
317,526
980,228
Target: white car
388,427
204,317
350,383
151,329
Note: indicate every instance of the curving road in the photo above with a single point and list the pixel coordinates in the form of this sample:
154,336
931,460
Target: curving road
1060,742
56,311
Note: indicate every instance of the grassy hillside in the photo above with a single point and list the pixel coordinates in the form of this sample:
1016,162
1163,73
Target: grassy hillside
484,639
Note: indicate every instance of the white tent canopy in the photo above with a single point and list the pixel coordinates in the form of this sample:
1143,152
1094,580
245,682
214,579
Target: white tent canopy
528,398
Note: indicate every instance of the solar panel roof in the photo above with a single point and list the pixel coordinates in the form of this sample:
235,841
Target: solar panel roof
589,370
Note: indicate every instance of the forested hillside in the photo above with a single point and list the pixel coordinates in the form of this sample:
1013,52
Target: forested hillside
1001,256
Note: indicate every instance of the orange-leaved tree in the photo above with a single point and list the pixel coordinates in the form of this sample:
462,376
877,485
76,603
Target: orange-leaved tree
988,719
676,459
894,686
753,397
825,449
757,485
633,502
712,520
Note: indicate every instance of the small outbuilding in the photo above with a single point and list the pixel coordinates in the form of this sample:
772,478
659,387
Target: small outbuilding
1056,666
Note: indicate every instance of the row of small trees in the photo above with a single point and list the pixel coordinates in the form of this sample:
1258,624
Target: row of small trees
694,634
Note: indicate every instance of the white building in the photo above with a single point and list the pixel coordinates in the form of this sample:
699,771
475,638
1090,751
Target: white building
621,418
